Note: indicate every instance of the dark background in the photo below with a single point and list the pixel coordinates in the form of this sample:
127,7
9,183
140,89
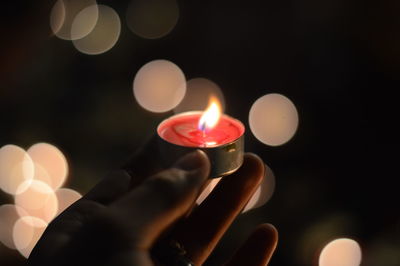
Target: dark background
337,60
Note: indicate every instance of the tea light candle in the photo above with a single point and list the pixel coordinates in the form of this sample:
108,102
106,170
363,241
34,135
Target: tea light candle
220,136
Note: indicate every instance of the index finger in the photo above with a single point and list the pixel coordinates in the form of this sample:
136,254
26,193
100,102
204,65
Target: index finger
163,198
258,248
204,227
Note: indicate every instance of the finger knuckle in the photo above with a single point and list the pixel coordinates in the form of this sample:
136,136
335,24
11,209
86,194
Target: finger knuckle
167,185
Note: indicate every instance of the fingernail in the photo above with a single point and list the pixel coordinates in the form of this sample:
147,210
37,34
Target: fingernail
192,161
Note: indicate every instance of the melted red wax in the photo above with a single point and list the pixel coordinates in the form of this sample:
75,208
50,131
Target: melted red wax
183,130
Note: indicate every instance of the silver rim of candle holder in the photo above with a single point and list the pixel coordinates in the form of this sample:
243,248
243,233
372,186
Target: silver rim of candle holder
224,159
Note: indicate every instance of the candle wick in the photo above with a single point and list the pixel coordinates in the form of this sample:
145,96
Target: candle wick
202,126
204,137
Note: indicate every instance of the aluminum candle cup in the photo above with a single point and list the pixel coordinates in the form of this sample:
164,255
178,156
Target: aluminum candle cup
223,142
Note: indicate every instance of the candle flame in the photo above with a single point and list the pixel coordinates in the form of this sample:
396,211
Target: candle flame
211,115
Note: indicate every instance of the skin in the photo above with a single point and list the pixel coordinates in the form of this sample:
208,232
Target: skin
133,210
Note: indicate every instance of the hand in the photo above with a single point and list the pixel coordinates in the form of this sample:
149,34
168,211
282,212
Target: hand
122,219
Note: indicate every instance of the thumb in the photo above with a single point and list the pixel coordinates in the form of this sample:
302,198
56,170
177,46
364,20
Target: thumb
163,198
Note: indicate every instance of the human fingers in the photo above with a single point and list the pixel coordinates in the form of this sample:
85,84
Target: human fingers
145,162
136,219
258,248
113,186
163,198
204,227
61,230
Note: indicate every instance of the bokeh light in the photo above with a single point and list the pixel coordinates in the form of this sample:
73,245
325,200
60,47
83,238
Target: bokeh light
38,200
16,167
66,197
65,22
9,215
159,86
319,232
152,19
26,233
273,119
341,252
57,16
198,93
264,192
50,164
207,190
84,22
42,175
105,33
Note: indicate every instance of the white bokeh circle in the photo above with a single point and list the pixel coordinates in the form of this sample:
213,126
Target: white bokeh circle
273,119
159,86
341,252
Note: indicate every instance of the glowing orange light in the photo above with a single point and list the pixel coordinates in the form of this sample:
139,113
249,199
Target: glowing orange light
211,115
342,251
26,233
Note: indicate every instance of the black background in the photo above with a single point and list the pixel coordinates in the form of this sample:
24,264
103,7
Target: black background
337,60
